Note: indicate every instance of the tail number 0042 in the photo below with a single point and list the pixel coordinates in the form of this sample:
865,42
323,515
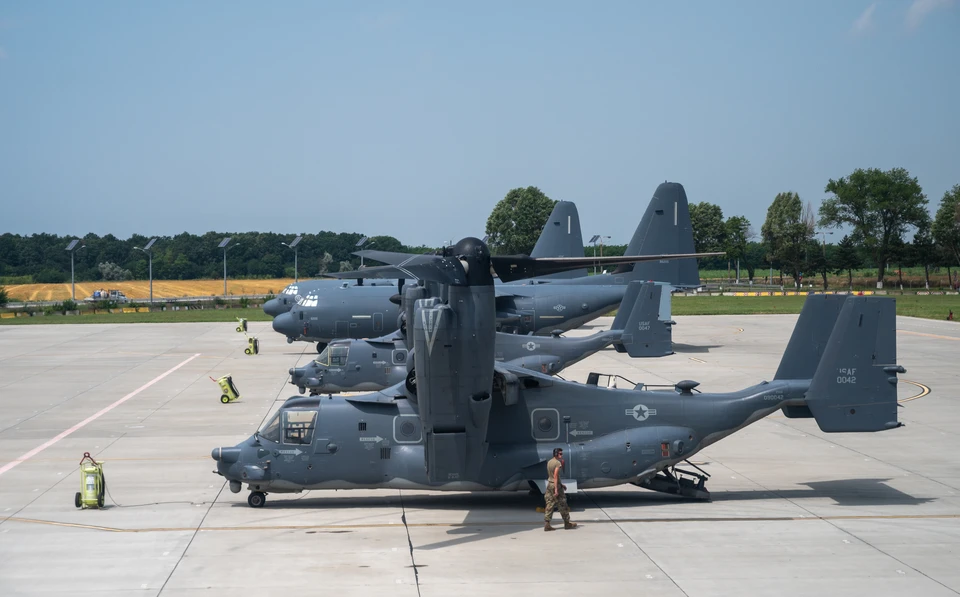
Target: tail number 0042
847,375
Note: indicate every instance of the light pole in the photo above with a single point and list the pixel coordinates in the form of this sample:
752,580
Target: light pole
73,248
223,245
360,244
293,245
593,241
823,236
146,249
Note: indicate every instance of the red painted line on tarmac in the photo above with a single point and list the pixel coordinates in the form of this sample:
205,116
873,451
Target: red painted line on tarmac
91,418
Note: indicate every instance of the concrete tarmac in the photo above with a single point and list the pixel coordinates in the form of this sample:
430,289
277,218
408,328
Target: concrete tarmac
794,511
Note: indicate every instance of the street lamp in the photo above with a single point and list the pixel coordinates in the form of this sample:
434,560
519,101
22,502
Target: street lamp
360,244
293,245
593,241
73,248
146,249
223,245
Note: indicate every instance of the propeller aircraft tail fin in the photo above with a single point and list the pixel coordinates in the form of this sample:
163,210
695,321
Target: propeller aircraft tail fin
855,384
629,302
561,237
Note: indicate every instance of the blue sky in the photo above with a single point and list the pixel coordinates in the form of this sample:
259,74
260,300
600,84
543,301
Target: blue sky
158,118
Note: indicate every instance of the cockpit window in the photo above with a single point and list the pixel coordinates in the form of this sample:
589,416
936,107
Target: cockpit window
334,356
271,430
298,426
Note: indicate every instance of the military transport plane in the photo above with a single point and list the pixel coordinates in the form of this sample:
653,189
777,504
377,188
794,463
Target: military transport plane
561,237
525,305
370,365
470,423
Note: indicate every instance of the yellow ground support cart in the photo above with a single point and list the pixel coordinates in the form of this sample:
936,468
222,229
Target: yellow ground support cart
229,391
253,346
93,485
241,324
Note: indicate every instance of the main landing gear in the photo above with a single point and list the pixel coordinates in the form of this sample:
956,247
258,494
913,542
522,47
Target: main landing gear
677,481
256,499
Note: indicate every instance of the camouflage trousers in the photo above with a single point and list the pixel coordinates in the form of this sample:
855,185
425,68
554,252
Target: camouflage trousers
556,502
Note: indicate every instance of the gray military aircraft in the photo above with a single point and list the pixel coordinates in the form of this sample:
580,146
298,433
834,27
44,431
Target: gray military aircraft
370,365
525,303
561,237
470,423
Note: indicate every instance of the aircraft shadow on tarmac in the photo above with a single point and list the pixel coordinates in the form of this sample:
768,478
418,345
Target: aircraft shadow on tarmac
688,348
490,515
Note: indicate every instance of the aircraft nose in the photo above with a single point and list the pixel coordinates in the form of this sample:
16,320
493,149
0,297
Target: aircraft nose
225,455
285,325
274,307
296,374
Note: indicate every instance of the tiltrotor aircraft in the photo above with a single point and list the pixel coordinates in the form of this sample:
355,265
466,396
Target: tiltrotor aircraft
523,305
368,365
469,423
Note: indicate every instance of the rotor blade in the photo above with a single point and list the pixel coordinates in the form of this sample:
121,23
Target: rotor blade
518,267
427,267
388,257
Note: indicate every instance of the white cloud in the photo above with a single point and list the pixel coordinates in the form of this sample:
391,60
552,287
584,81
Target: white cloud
920,9
864,22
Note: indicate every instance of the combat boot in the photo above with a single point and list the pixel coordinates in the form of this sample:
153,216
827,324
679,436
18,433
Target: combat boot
547,527
569,525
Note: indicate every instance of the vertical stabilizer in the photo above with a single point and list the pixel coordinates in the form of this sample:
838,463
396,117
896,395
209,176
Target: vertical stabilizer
645,335
626,306
561,237
810,336
664,228
855,386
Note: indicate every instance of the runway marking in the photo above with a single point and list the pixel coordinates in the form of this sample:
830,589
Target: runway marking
954,338
697,360
399,525
90,419
924,390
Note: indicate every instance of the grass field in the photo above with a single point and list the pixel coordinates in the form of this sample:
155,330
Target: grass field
140,289
929,307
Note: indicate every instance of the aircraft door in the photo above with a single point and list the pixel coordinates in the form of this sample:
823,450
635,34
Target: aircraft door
378,322
342,329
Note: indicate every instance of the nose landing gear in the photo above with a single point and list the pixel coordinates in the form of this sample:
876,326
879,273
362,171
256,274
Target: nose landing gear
256,499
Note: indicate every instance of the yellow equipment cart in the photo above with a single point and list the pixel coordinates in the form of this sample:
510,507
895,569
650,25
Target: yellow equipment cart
229,391
93,485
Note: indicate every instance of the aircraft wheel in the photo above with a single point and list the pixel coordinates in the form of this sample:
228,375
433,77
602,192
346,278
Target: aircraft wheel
239,330
224,398
289,340
246,351
257,499
411,382
76,500
320,347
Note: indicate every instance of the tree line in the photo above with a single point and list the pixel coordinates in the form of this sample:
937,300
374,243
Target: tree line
879,209
42,258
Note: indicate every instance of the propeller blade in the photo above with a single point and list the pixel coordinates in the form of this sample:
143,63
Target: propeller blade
519,267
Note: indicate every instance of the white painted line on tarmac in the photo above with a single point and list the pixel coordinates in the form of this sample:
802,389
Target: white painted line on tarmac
90,419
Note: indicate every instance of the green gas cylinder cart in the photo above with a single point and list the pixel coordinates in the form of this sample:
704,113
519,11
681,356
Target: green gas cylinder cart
241,324
253,346
93,485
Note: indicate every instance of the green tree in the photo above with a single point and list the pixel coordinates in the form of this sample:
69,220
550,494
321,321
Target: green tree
924,251
847,259
4,297
879,205
946,226
709,232
737,233
515,223
787,232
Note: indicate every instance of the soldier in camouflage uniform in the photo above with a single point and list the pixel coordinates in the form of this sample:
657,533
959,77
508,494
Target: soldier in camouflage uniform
556,495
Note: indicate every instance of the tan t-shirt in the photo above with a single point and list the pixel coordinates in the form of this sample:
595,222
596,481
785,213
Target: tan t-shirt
552,466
